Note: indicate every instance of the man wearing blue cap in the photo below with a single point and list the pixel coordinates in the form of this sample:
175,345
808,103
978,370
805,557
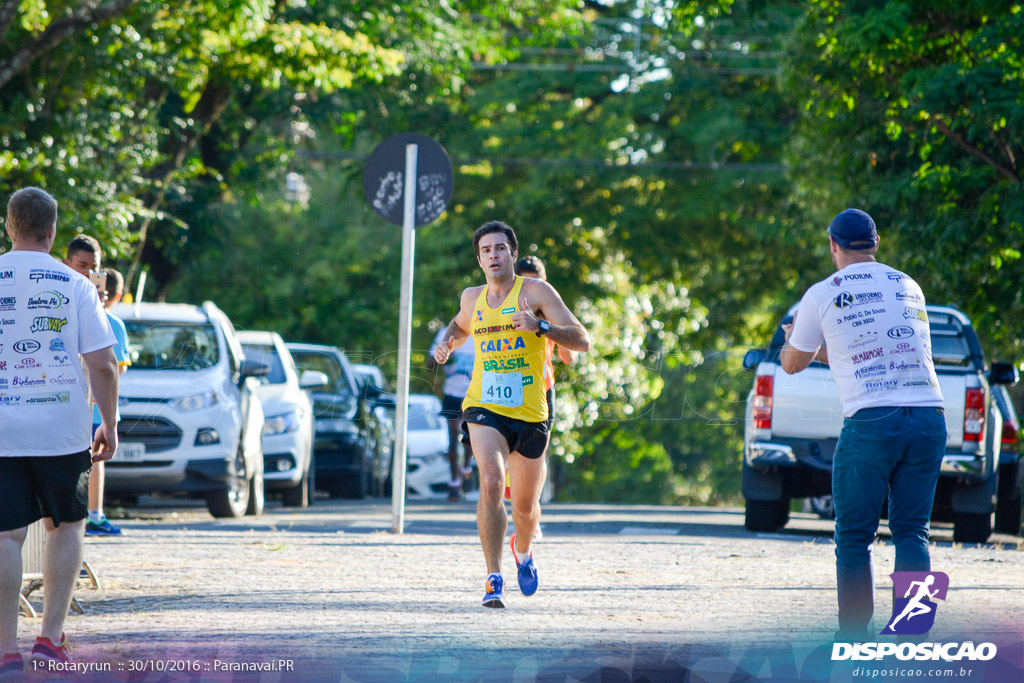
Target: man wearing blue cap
868,322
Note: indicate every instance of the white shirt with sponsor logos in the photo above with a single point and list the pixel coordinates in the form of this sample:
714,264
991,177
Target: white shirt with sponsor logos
49,314
873,321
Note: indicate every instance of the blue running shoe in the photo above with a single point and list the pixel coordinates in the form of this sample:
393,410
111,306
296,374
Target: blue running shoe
495,595
528,581
104,528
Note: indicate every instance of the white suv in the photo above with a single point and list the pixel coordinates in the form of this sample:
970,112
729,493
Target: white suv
288,429
190,422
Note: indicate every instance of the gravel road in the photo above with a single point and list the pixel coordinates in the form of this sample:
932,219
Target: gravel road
331,589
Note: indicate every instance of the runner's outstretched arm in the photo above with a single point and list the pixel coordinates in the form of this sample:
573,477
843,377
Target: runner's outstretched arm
458,330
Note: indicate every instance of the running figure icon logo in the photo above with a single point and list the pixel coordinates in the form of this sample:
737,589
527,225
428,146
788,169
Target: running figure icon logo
914,613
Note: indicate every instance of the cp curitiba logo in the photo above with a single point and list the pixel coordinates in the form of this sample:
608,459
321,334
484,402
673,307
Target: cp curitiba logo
914,613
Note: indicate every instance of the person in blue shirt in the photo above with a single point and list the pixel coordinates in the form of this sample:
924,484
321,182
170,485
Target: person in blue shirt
97,524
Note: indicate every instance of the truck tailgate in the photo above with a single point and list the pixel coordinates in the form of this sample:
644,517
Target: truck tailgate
807,405
953,388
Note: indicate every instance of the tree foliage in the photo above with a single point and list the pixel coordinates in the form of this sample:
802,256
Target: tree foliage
673,163
921,106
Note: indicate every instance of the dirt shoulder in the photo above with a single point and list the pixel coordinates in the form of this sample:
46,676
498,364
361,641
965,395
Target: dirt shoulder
332,586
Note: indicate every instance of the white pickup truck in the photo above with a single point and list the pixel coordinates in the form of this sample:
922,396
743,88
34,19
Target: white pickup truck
793,423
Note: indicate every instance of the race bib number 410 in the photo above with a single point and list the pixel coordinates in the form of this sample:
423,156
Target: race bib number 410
502,389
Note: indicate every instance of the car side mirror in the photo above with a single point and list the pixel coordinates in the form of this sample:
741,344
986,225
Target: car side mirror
1003,373
314,379
753,358
371,391
251,368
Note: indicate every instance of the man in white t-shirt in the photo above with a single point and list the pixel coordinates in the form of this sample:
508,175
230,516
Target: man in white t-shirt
868,322
50,315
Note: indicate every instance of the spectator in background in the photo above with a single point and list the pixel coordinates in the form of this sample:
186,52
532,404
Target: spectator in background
457,375
97,524
531,266
84,256
45,457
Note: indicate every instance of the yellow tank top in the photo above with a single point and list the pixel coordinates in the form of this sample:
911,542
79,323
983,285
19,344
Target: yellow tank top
508,375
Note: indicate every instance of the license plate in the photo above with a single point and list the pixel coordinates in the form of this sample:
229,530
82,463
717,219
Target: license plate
130,452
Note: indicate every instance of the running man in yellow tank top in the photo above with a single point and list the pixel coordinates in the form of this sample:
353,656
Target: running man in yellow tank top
505,409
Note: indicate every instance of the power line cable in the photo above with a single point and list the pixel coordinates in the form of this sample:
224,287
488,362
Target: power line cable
556,161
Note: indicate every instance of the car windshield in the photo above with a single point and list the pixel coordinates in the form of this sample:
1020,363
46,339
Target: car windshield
370,374
171,346
326,363
267,355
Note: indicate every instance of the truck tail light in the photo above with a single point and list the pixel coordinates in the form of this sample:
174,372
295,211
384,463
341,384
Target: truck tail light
1009,434
974,414
763,402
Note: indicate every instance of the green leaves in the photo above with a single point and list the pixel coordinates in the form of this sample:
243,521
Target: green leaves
933,146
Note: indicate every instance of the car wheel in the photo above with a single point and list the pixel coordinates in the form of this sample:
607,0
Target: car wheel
766,515
257,493
335,486
971,527
382,475
298,496
823,507
355,485
312,481
301,495
232,501
1008,500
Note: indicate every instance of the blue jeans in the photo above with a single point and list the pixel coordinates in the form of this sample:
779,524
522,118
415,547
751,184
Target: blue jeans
892,451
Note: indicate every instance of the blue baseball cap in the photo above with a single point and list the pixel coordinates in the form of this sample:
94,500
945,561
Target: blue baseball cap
853,229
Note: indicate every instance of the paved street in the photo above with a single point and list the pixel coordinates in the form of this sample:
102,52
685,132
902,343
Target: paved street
332,589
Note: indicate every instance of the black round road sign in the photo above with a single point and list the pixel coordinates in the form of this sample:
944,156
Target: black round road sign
384,178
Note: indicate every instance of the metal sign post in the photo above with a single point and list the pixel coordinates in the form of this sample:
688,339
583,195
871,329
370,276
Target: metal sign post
424,184
404,341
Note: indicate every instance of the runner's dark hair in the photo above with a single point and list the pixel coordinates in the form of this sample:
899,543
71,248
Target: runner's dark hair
495,226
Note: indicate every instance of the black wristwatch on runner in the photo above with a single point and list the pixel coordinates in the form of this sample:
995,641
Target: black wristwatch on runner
544,326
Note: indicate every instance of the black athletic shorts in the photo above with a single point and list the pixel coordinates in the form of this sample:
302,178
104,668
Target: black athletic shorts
44,486
451,407
530,439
